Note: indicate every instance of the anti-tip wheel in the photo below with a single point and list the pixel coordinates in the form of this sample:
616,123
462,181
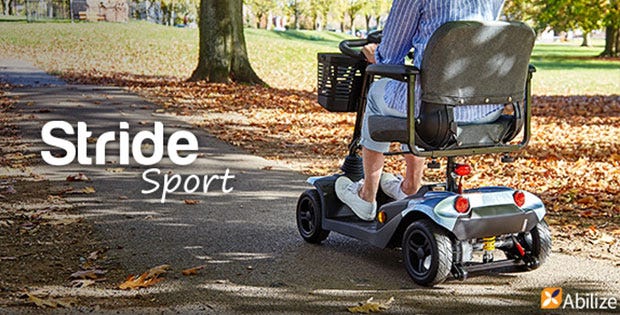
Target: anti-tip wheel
537,243
309,217
427,252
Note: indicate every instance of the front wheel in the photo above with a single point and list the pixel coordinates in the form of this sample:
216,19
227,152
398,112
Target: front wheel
427,252
309,218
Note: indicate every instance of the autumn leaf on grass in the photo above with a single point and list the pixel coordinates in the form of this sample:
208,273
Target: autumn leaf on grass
191,201
192,271
147,279
370,306
79,177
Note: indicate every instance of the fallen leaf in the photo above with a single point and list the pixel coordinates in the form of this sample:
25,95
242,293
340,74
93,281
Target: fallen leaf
51,303
133,282
370,306
191,201
94,255
77,178
156,271
43,303
147,279
88,274
192,271
82,283
88,190
115,169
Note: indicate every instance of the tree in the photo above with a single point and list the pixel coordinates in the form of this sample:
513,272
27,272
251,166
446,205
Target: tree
354,7
588,17
611,21
296,8
261,9
520,10
375,8
319,9
223,55
7,7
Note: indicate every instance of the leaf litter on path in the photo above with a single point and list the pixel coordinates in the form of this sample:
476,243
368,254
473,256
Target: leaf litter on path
147,279
371,306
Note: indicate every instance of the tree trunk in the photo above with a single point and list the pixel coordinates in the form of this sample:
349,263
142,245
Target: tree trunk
351,25
611,42
259,19
315,20
586,40
223,54
297,13
367,23
378,20
617,42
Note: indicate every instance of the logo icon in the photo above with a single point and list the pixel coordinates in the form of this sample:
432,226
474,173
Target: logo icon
550,298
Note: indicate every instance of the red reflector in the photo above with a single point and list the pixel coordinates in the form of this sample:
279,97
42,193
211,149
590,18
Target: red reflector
519,198
461,204
462,169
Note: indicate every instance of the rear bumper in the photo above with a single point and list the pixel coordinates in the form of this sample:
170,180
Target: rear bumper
469,228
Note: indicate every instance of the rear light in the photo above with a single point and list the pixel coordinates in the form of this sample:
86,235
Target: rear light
519,198
461,204
381,217
462,170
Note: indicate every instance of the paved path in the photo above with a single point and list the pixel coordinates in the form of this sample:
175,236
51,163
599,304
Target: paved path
256,262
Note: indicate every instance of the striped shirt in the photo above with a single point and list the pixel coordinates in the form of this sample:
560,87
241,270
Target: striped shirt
410,25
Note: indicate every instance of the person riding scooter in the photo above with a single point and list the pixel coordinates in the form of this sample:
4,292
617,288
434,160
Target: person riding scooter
410,25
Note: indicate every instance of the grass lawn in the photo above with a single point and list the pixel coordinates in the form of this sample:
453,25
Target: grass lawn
282,59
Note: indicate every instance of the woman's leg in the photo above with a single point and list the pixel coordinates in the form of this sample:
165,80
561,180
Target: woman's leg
413,174
373,166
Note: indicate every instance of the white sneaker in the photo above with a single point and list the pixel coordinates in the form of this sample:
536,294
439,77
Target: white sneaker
390,185
348,192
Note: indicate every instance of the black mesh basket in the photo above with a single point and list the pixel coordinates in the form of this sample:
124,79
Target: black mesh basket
340,79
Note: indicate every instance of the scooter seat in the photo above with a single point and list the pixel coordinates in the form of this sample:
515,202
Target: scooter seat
394,129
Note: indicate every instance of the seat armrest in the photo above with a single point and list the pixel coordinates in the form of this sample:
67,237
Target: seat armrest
396,72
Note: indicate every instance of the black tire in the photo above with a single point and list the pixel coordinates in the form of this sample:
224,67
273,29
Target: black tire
427,252
309,217
537,242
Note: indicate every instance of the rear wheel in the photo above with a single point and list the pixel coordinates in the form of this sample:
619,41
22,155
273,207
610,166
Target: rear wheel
309,217
537,243
427,252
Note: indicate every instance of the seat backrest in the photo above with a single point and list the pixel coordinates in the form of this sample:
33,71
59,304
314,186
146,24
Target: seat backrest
469,62
472,63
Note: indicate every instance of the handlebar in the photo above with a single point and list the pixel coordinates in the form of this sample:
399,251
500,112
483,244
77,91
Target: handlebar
346,46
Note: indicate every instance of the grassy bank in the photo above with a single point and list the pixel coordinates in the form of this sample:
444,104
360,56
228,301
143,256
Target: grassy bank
282,59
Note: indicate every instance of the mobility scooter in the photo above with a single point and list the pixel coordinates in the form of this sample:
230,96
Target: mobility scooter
443,230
